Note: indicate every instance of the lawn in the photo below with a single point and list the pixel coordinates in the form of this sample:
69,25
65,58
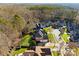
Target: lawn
16,52
25,41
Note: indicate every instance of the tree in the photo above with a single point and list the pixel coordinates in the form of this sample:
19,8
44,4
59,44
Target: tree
4,44
18,23
6,27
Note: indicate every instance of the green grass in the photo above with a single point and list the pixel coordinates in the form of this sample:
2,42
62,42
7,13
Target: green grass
16,52
55,53
25,41
47,29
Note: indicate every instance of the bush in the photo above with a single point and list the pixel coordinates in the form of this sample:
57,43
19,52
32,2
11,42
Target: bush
32,43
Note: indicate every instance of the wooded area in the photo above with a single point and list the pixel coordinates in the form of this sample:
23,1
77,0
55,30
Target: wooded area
18,21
